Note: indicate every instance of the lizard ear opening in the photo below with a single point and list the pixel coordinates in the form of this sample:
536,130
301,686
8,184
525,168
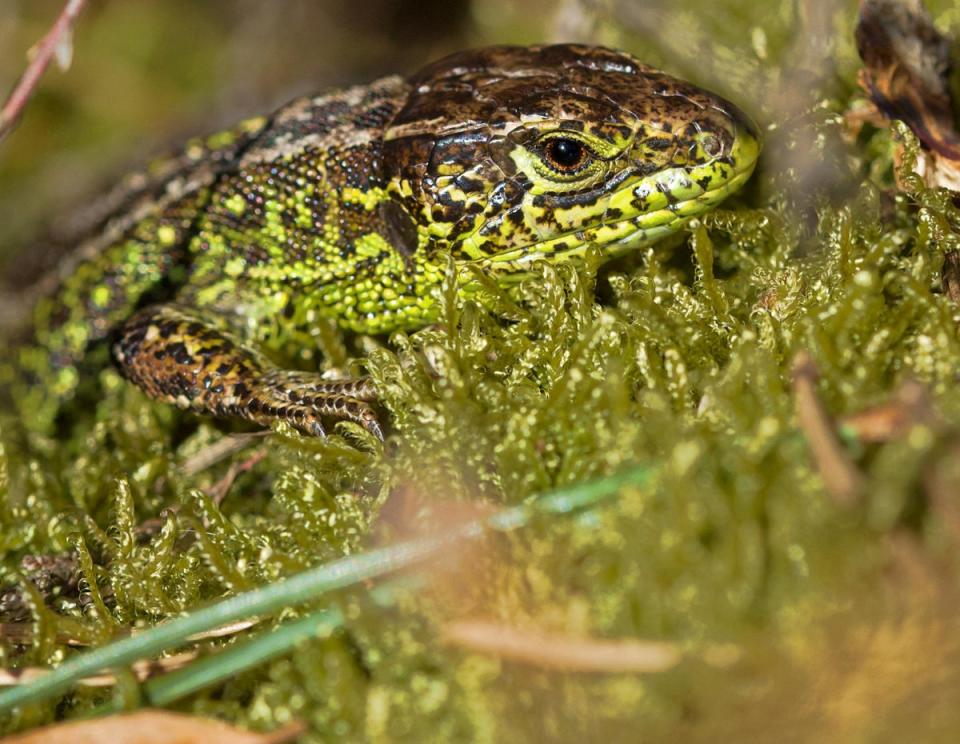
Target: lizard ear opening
401,230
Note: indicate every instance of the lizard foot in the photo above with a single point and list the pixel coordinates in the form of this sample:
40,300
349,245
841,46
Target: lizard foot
304,400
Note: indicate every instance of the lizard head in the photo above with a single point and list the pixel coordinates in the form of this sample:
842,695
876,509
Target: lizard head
504,155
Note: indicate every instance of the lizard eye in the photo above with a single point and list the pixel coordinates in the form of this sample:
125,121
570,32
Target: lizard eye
561,161
566,155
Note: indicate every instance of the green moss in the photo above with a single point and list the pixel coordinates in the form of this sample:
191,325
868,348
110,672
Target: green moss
685,363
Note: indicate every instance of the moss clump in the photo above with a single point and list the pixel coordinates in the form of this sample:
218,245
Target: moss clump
796,613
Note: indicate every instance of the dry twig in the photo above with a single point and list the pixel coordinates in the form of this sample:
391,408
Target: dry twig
554,651
840,476
219,490
220,450
142,670
23,633
55,45
204,459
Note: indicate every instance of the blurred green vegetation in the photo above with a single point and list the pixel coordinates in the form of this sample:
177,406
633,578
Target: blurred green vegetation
841,619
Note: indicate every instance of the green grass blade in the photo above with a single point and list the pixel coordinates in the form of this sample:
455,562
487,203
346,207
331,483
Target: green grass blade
227,663
309,585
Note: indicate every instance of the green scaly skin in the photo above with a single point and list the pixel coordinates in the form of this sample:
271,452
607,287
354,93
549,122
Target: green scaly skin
349,205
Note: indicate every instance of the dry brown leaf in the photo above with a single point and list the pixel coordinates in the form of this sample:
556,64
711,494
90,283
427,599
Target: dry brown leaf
910,406
152,727
455,577
950,276
410,514
906,65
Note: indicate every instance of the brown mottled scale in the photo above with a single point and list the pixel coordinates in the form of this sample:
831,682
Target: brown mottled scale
346,205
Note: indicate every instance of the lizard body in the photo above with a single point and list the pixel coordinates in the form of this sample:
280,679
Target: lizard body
348,206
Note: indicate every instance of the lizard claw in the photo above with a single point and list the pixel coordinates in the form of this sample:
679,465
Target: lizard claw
303,399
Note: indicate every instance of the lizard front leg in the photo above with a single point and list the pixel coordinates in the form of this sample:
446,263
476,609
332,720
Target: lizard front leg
174,356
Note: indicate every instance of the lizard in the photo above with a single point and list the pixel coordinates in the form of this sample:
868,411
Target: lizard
350,204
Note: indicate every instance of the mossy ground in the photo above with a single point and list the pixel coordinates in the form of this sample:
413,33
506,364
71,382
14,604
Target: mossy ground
837,622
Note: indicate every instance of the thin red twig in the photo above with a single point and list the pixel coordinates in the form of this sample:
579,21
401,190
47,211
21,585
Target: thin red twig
44,52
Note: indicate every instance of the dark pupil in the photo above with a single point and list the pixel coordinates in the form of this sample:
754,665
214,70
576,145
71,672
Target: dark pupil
566,153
